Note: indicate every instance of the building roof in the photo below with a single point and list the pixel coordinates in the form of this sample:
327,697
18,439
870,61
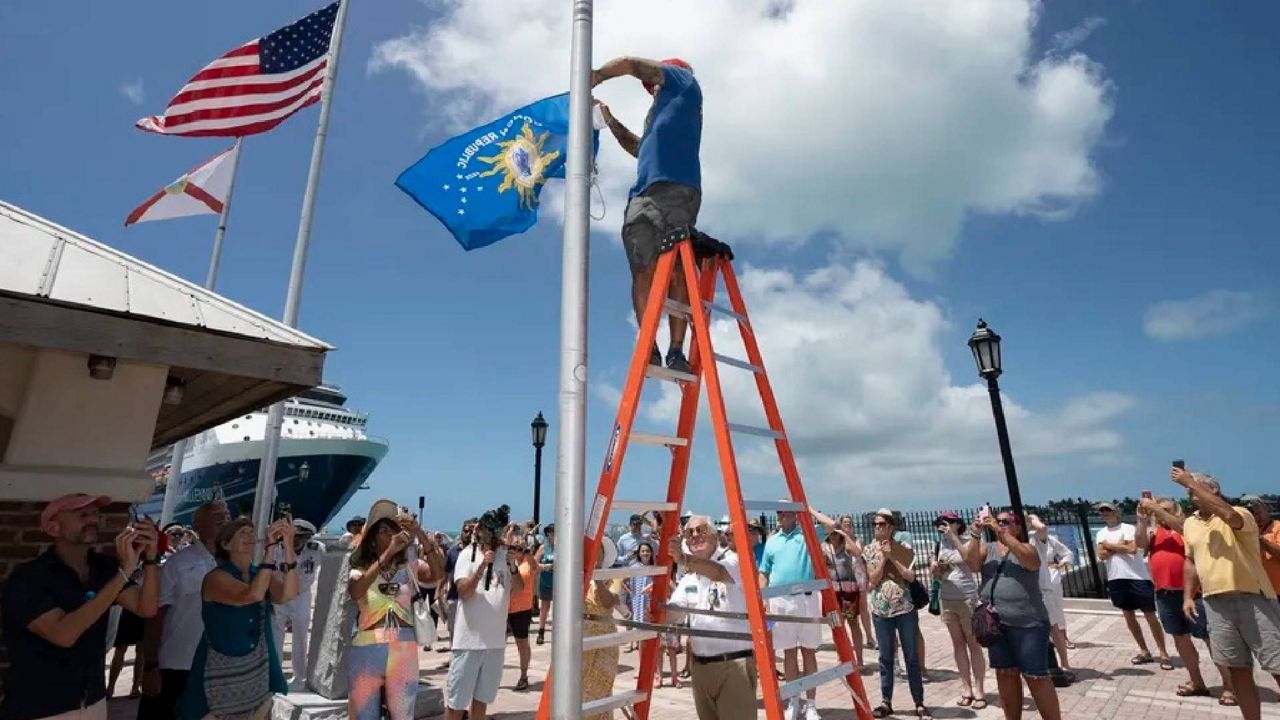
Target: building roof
43,259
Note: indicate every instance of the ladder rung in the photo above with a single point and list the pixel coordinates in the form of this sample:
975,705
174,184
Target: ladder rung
724,310
596,642
737,363
799,685
640,506
652,439
794,588
682,630
832,619
630,571
676,307
753,430
772,506
660,373
612,702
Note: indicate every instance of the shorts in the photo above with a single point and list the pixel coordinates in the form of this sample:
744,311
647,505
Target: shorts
128,630
1172,619
544,591
1130,595
959,612
1053,602
789,635
661,208
519,623
1242,625
1023,648
473,675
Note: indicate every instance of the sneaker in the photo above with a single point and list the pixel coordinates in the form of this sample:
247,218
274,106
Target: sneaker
655,356
792,711
811,711
676,360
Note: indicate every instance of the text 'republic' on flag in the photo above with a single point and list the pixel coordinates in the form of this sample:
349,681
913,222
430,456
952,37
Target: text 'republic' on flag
484,185
254,87
201,191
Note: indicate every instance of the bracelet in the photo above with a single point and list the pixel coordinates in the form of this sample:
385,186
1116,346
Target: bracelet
125,575
152,561
286,566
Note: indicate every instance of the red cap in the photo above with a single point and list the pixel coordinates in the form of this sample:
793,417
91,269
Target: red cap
74,501
676,62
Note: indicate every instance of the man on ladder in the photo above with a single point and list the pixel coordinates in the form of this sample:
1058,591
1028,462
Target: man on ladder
668,189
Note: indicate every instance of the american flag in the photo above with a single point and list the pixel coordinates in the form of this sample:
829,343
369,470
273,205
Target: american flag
254,87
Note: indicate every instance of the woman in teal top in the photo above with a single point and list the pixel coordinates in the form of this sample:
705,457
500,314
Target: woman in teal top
546,558
235,669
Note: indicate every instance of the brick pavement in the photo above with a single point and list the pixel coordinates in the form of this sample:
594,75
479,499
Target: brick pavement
1108,686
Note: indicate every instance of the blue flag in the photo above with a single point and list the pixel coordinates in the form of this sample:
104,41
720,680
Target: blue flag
484,184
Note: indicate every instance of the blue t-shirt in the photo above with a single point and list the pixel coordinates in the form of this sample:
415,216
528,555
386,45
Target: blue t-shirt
672,134
786,558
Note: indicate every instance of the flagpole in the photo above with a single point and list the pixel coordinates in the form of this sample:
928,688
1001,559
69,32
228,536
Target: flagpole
179,449
264,497
566,643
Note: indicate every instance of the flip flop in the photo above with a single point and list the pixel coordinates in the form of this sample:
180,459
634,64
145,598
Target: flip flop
965,700
1189,690
1165,664
1227,698
1141,660
979,703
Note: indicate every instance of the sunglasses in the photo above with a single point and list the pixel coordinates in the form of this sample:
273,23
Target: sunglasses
697,530
1004,522
389,588
880,523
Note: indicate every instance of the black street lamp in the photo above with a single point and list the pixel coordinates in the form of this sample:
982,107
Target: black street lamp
985,345
539,428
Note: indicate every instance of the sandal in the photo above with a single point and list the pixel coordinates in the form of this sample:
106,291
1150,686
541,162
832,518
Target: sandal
522,684
1141,659
541,638
979,703
1165,664
922,713
1227,698
1189,690
883,711
965,700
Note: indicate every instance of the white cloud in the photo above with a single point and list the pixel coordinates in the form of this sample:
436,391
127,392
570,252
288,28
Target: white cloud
857,366
887,122
1213,314
133,91
1068,39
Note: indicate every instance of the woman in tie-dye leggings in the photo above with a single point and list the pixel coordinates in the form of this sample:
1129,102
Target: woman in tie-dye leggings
384,652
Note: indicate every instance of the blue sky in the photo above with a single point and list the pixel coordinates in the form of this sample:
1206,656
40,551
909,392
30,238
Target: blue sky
1133,167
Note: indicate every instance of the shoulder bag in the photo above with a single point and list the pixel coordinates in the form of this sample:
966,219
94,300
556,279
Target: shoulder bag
935,587
424,626
986,621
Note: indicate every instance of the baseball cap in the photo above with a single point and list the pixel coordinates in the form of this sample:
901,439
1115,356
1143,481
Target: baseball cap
948,516
304,525
1104,505
887,514
637,518
74,501
674,62
1248,500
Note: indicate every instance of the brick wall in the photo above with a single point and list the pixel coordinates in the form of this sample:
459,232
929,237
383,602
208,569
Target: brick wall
21,539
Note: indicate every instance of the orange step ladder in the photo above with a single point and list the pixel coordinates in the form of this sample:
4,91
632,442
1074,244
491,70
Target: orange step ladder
702,261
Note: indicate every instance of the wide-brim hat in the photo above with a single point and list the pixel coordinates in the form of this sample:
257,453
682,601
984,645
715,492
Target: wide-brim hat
608,553
381,510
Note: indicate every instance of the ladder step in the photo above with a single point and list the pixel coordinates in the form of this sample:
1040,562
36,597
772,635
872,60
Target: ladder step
772,506
803,586
660,373
675,307
639,506
681,630
596,642
630,571
830,619
613,702
753,430
724,310
652,439
737,363
799,685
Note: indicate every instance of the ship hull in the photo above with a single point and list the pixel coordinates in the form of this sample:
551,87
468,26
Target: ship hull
315,477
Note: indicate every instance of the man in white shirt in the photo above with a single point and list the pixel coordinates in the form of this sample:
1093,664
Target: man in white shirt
170,638
1054,556
724,670
295,615
1129,582
630,541
485,578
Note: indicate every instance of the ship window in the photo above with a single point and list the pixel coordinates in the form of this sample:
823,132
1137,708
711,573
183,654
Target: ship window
246,438
235,426
295,421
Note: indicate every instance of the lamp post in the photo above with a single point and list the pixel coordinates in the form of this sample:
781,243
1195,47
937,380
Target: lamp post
985,344
539,428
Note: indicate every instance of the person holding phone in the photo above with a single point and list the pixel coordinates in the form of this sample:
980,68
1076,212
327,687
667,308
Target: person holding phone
889,576
958,596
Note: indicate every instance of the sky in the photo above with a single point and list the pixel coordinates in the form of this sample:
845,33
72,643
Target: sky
1095,179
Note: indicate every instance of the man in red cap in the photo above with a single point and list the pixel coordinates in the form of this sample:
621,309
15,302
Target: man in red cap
55,611
668,189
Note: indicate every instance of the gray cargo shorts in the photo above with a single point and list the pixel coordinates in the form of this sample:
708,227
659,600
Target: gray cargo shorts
1242,625
653,213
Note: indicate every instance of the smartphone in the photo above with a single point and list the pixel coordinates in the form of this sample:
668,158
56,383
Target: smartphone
1146,494
283,509
1180,464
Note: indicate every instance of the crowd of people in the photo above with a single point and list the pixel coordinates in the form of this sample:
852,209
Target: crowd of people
212,622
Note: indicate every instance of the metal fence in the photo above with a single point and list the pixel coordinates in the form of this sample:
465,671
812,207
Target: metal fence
1074,526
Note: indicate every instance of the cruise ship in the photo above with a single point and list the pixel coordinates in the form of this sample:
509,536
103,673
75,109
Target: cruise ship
325,457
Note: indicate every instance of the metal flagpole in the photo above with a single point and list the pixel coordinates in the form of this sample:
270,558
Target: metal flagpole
566,633
179,449
264,496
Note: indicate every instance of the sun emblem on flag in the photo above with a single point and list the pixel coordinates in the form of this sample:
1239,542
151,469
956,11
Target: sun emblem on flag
177,187
522,164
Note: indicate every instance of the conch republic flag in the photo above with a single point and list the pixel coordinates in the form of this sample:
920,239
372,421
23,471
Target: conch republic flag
484,184
202,191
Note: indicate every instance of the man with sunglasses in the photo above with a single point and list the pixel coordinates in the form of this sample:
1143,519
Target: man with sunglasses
785,561
723,670
1129,582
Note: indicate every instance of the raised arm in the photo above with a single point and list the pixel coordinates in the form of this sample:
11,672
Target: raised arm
221,588
648,72
285,585
1209,500
627,139
826,522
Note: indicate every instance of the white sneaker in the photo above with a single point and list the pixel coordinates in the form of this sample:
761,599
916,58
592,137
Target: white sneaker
793,709
811,711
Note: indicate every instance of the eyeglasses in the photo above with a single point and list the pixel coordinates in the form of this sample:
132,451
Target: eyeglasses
880,523
697,530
